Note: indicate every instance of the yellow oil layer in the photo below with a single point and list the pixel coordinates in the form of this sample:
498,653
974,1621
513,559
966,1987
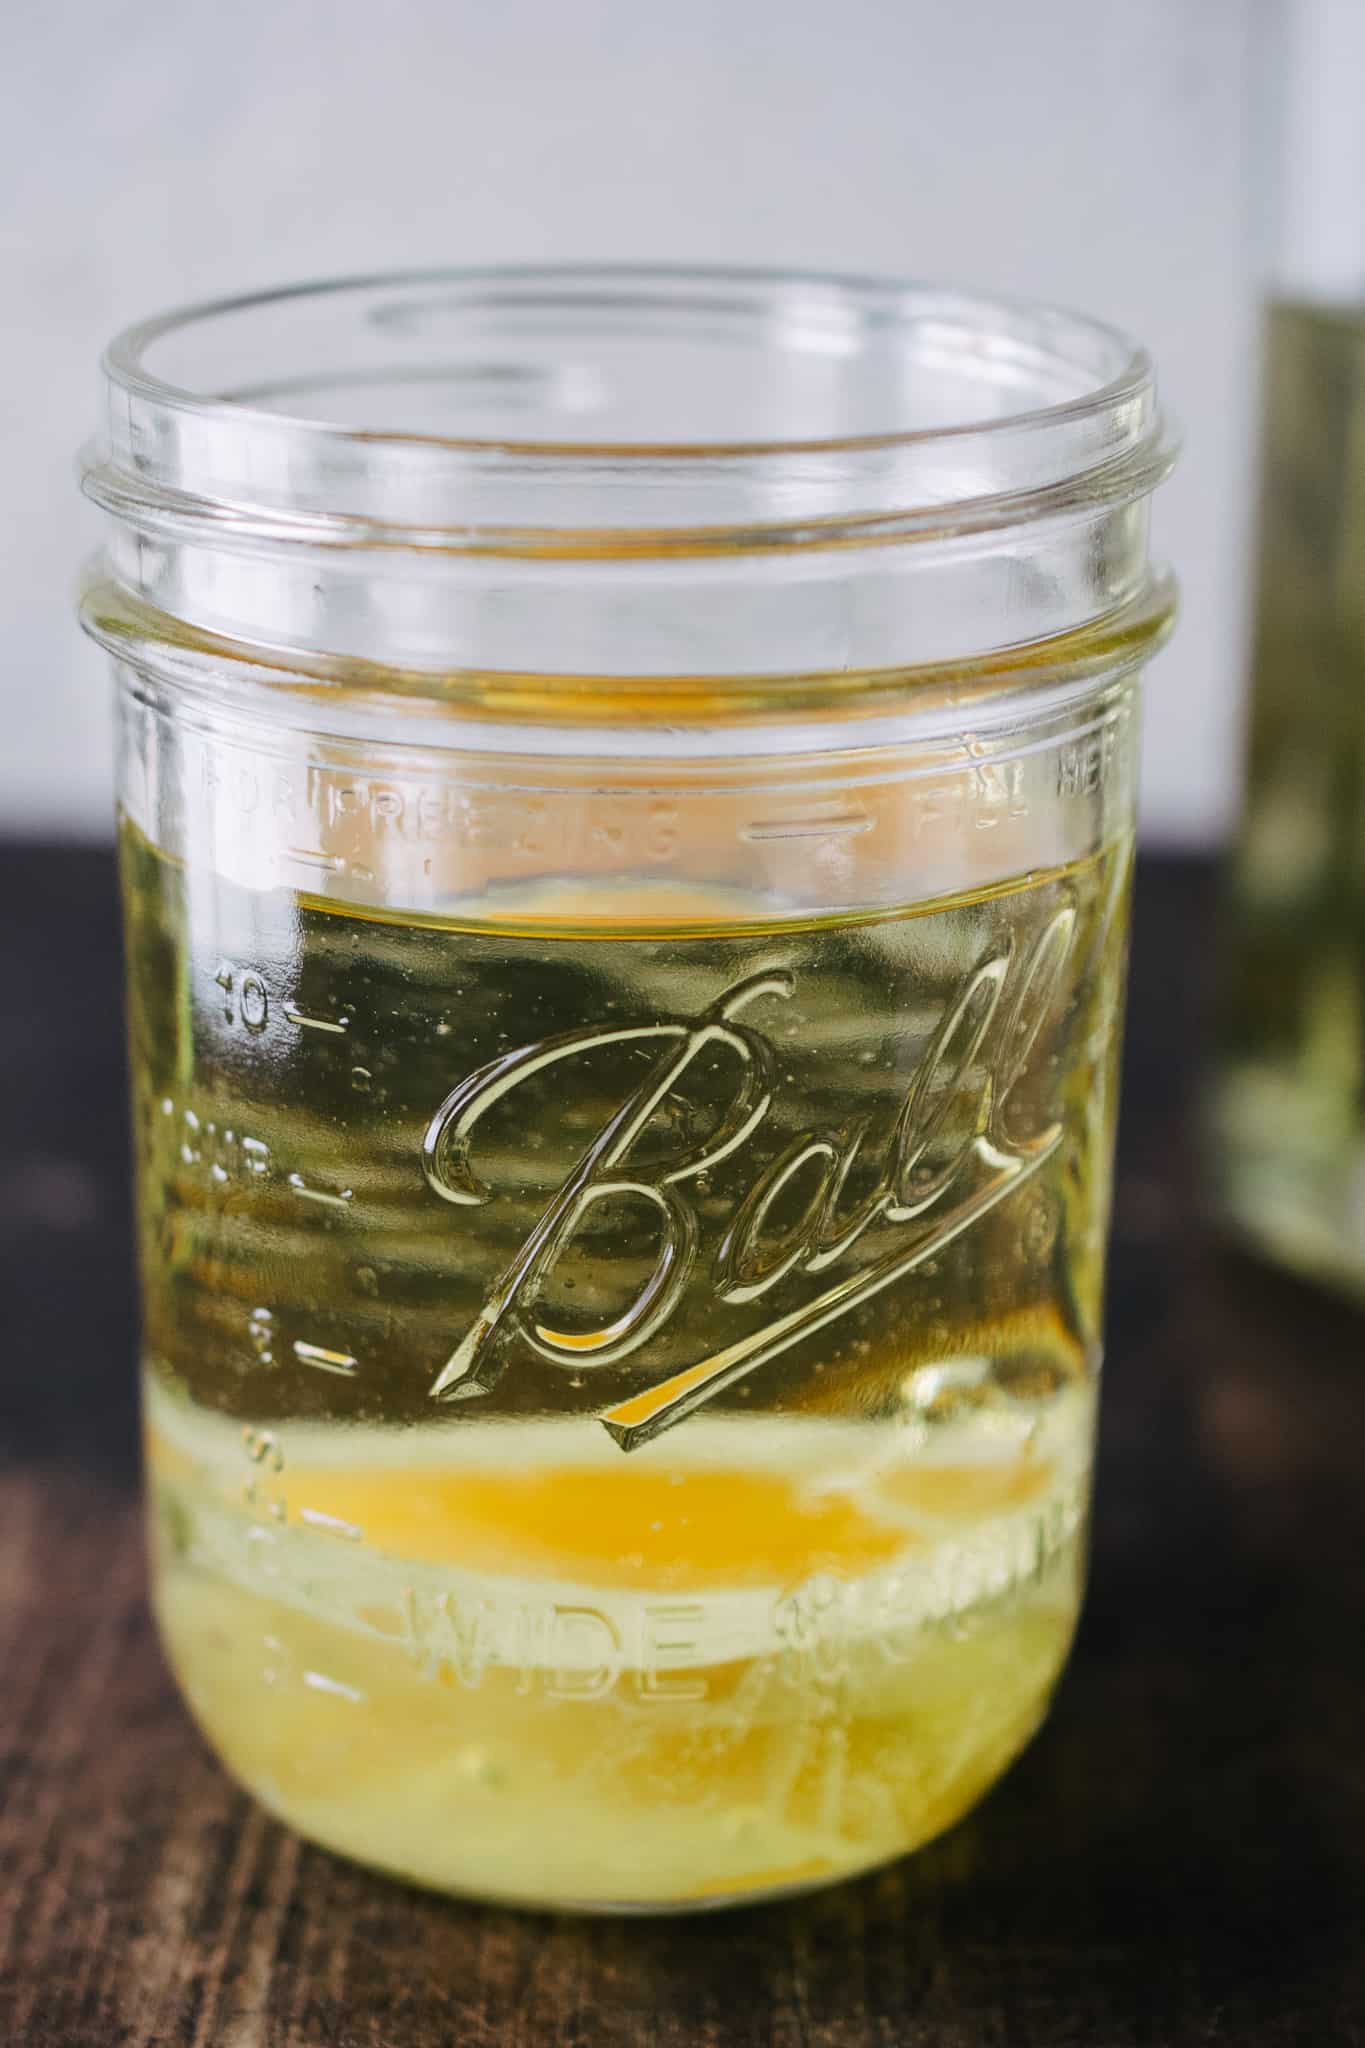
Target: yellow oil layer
588,1681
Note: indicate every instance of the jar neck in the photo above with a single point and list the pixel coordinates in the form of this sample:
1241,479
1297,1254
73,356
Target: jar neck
628,717
837,612
947,480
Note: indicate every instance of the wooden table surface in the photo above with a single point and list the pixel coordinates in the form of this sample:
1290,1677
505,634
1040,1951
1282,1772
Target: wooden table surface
1180,1858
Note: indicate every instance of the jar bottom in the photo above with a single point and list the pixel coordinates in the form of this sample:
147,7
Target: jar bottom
795,1779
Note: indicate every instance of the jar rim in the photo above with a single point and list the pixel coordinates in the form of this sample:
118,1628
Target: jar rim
1056,410
125,363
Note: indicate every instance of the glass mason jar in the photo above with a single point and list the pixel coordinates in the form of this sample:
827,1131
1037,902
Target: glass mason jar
1287,1094
626,809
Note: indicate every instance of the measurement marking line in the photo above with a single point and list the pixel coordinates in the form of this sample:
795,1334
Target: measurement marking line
808,828
320,1682
331,1525
325,1360
294,1016
300,1187
331,863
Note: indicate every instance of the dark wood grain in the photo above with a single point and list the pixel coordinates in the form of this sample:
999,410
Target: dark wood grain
1180,1858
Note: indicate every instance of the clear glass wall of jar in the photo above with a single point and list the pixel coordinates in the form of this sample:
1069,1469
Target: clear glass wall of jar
626,807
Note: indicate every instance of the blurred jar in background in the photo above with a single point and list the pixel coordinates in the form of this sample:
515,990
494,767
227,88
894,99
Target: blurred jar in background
1288,1100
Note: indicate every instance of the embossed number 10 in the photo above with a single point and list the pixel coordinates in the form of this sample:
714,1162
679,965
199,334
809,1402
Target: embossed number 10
245,999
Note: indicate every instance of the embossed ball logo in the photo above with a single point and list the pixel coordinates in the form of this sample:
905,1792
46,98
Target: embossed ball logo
928,1190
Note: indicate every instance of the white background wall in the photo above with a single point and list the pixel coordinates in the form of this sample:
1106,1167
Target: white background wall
1109,153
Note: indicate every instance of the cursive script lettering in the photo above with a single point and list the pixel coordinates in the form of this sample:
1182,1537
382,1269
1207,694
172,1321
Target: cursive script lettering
472,1366
951,1155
